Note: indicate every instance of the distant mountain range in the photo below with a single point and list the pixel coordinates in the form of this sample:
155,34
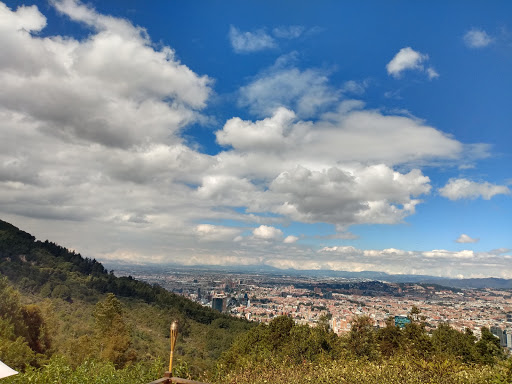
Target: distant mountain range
475,283
15,242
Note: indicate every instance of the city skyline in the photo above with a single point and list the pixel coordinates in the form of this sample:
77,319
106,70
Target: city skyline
262,297
355,137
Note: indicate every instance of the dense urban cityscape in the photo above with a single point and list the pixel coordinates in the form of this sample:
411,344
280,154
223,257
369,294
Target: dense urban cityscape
263,296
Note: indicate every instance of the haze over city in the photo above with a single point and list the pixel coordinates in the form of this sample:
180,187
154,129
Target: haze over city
351,137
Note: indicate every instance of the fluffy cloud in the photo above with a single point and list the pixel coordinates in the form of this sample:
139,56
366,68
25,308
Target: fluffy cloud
100,123
466,239
409,59
350,134
444,254
266,232
354,87
406,59
267,134
477,38
343,250
108,89
499,251
245,42
374,194
337,170
208,232
290,239
457,189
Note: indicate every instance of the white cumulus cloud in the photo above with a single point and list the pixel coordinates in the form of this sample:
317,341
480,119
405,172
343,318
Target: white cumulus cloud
463,238
209,232
457,189
444,254
349,134
290,239
100,120
408,59
338,170
267,232
374,194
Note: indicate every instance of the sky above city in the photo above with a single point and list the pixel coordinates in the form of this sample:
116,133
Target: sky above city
354,136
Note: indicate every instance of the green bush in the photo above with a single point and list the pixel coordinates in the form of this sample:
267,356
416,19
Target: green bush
58,371
393,371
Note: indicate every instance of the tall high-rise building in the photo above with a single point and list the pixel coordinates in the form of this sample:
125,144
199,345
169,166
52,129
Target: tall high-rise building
497,331
219,303
509,338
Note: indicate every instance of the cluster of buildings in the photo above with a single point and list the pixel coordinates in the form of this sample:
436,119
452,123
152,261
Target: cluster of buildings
261,297
505,335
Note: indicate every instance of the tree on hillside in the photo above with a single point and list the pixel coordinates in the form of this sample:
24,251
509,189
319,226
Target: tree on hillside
389,338
37,336
23,335
449,341
488,347
415,339
279,331
11,308
362,338
112,333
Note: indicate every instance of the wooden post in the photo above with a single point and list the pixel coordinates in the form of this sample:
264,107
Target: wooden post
168,378
174,336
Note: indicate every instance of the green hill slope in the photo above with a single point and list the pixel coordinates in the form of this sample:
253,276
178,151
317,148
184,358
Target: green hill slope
68,289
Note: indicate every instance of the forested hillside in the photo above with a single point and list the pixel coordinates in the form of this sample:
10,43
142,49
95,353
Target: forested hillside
53,271
56,304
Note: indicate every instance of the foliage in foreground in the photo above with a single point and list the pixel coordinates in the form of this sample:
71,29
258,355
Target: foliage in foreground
284,352
283,340
89,372
23,333
394,371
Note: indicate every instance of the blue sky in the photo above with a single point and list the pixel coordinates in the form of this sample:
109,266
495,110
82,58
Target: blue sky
333,135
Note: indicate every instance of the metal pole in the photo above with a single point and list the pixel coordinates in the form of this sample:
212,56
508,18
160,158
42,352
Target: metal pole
174,336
